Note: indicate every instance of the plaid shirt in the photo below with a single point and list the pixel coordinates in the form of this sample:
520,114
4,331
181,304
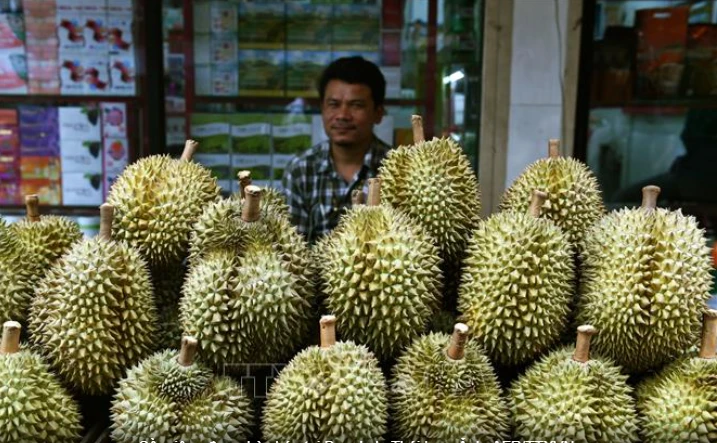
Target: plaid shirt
315,192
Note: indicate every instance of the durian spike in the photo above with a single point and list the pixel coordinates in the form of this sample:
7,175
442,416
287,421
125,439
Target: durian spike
582,347
188,351
417,125
10,338
649,196
106,213
708,348
374,192
554,148
458,341
252,204
536,203
328,330
190,147
357,197
32,205
244,178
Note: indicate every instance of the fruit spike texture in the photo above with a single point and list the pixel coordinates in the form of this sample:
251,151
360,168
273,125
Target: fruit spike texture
167,282
436,398
680,403
559,398
34,406
380,275
47,239
574,198
93,315
157,200
645,281
169,402
517,285
433,182
18,274
337,393
247,281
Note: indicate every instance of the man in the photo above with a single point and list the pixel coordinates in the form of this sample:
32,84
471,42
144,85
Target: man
318,183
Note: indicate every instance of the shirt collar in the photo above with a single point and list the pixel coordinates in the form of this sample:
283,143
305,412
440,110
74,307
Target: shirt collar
325,164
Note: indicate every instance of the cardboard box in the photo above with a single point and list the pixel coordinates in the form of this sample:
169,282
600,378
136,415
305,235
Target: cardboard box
10,192
114,119
49,192
72,73
223,17
97,79
251,138
223,49
13,72
96,31
359,28
308,26
29,115
81,156
261,26
116,155
12,32
47,168
70,30
213,138
291,138
122,75
700,66
262,73
80,123
82,189
119,34
303,69
225,80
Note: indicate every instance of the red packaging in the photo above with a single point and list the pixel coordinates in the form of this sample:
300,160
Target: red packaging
701,60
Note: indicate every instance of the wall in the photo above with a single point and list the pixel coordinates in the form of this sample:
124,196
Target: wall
536,98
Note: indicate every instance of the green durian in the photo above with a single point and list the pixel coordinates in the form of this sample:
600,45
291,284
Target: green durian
167,282
517,284
571,396
680,403
434,183
34,406
574,197
18,274
445,389
254,284
380,275
157,200
93,315
334,392
645,281
170,397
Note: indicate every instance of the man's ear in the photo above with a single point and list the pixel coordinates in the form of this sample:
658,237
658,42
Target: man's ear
380,112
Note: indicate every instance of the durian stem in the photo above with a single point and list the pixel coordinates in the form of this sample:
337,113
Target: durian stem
456,350
188,351
32,205
357,197
190,147
10,338
374,191
582,347
649,196
417,125
244,181
554,148
252,204
328,330
708,348
536,203
106,214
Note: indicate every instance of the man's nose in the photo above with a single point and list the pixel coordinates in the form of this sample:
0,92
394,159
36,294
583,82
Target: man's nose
343,112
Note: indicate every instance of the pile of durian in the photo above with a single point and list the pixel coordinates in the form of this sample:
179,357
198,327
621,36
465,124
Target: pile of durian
201,318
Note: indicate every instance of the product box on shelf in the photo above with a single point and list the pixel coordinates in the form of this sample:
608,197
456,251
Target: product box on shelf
291,135
262,73
122,75
259,166
13,73
80,123
359,28
72,72
701,61
261,25
49,192
213,133
114,120
303,68
81,156
12,32
116,155
32,168
223,17
252,151
308,26
82,189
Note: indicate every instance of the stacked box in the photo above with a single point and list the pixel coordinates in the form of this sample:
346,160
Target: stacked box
82,155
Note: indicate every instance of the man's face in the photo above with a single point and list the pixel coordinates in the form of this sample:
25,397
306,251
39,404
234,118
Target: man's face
349,113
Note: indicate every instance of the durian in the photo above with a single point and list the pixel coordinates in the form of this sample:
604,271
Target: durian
334,392
574,197
18,274
569,396
433,182
379,273
34,407
645,281
272,198
157,200
680,403
444,389
249,297
517,287
170,397
93,315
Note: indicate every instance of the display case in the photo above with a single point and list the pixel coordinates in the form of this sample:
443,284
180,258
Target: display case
240,77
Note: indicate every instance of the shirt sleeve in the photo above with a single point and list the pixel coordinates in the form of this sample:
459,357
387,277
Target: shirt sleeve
293,183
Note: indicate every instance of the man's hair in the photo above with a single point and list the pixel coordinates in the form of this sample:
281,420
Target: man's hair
355,70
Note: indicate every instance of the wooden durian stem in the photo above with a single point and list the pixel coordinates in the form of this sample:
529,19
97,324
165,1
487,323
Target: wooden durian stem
106,214
554,148
188,351
536,203
328,330
374,192
456,350
10,338
649,196
252,204
582,347
417,125
190,147
32,206
244,178
708,348
357,197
